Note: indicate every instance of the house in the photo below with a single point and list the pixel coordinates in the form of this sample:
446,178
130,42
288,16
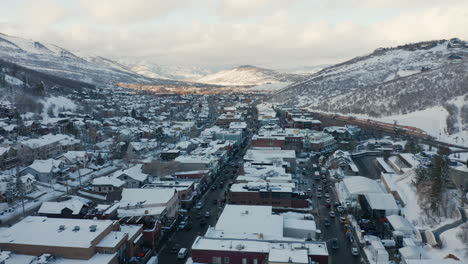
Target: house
44,170
46,147
133,177
72,208
8,158
28,181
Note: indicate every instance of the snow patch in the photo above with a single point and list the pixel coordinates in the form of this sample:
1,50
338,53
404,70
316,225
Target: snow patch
57,104
13,80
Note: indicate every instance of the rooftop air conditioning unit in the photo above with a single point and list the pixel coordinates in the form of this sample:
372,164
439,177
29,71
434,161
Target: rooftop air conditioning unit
92,228
61,228
76,228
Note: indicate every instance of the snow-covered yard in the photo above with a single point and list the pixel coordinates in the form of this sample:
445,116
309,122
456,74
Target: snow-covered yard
452,244
17,208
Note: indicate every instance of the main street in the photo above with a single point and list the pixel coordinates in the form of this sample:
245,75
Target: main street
212,200
322,213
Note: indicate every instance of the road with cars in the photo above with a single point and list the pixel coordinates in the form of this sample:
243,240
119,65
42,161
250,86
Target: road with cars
332,228
212,202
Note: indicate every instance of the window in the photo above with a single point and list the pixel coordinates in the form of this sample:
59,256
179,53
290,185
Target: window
226,260
244,261
217,260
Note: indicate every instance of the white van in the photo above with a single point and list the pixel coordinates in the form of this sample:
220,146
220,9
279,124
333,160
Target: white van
182,253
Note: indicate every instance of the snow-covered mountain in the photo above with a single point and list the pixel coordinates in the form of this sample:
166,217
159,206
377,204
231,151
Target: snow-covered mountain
172,72
247,75
389,82
49,58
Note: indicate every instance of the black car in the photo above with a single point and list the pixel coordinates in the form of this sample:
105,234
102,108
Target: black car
335,244
203,222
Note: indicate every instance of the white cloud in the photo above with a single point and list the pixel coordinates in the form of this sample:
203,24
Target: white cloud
124,11
274,39
377,4
233,9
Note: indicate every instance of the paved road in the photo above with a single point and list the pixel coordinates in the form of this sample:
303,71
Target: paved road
185,238
336,229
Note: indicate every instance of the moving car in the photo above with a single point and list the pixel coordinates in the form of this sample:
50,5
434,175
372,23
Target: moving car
182,253
199,205
207,214
335,244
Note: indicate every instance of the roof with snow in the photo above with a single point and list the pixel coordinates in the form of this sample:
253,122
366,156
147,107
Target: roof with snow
43,231
250,219
56,207
106,180
382,201
134,172
361,185
146,196
45,166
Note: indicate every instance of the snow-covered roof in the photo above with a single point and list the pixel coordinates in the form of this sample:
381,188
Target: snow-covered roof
56,207
43,231
48,139
399,223
45,166
146,196
250,219
382,201
288,255
361,185
413,252
134,172
106,180
268,154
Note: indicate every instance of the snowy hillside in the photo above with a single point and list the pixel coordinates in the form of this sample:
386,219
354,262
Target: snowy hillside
392,82
247,75
51,59
172,72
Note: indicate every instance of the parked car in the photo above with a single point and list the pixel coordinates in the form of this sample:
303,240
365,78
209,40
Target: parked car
202,222
340,209
207,214
354,251
319,188
332,214
326,223
327,195
213,187
319,195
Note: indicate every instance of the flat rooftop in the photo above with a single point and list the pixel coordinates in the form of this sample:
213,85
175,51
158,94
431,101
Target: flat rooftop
250,219
43,231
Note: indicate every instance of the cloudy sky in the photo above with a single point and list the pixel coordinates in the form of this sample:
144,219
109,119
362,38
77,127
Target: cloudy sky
272,33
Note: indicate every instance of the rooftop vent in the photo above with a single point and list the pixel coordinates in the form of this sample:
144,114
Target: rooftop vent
76,228
92,228
61,228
